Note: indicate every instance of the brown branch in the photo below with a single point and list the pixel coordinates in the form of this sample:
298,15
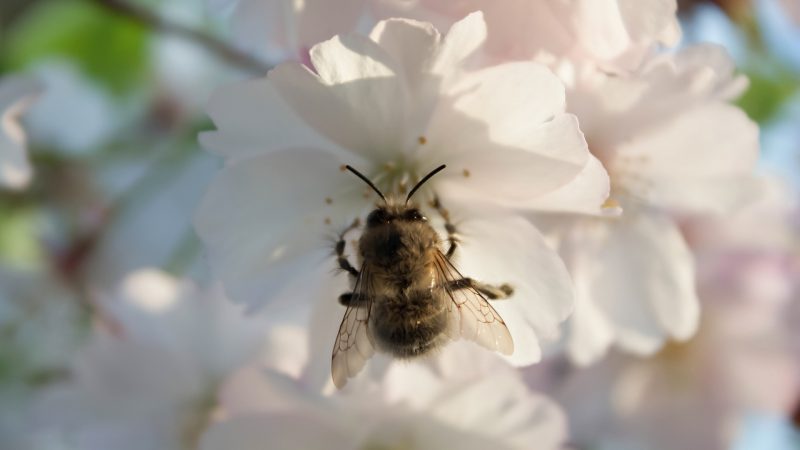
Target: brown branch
216,46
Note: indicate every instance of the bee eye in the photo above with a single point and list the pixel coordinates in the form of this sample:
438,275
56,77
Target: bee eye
413,215
377,217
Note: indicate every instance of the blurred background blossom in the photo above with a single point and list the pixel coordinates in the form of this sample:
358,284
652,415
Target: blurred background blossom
114,332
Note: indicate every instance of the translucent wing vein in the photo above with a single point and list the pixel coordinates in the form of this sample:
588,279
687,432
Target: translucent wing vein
353,346
470,314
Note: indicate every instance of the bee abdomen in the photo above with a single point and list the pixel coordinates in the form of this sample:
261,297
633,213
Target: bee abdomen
409,327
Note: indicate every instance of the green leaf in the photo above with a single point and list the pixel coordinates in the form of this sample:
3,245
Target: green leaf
767,94
107,47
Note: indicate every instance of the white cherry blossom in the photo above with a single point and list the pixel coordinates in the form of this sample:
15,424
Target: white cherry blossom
615,34
463,399
395,105
741,362
671,142
16,95
147,378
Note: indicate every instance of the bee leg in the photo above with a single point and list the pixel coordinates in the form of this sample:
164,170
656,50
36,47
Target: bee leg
344,264
351,299
491,292
452,237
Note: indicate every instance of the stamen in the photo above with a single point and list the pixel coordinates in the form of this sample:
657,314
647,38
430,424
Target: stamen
625,172
610,203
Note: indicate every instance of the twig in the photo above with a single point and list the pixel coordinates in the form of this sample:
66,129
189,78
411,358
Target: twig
216,46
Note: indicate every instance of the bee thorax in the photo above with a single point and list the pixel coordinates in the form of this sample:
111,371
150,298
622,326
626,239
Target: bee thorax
397,248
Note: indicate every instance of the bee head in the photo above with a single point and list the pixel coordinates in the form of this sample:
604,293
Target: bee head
391,211
386,215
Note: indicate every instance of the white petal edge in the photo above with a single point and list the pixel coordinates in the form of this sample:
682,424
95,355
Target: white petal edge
251,117
508,249
643,281
586,193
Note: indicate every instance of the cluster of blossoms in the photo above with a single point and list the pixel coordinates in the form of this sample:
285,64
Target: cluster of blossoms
611,181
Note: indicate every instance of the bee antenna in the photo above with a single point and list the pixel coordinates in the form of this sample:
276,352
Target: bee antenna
366,180
424,179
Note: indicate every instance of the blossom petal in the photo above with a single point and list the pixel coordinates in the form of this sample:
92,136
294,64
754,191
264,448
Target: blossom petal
409,43
263,225
590,332
516,414
356,101
650,21
716,64
619,32
505,123
413,46
553,155
351,57
642,280
598,26
506,249
585,194
464,38
251,117
524,92
701,161
283,431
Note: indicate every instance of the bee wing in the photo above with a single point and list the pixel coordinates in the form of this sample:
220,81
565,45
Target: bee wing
470,314
353,345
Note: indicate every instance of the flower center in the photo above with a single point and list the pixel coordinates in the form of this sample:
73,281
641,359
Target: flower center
627,175
396,176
